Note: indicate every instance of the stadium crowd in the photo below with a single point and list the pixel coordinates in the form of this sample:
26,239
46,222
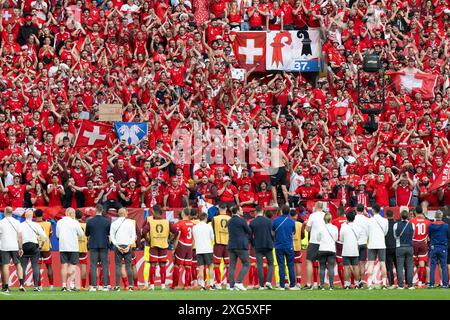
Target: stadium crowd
169,64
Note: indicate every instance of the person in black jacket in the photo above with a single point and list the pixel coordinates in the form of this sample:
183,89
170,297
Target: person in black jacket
446,219
391,243
26,31
97,231
238,235
262,240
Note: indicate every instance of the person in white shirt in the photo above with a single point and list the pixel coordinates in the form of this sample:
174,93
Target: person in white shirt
328,235
30,232
314,224
68,230
10,248
129,9
378,229
363,223
349,236
122,236
203,237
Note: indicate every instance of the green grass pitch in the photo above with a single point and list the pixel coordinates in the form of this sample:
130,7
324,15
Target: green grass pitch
337,294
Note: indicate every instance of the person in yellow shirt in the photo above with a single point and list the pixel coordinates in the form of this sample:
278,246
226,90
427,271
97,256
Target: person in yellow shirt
82,243
45,253
220,251
156,232
297,239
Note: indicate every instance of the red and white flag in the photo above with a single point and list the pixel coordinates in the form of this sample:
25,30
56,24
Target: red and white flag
7,16
443,176
93,134
250,49
422,83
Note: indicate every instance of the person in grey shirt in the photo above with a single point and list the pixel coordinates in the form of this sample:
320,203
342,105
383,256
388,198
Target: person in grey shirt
262,240
404,234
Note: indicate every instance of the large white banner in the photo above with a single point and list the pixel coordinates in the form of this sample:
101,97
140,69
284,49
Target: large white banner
293,50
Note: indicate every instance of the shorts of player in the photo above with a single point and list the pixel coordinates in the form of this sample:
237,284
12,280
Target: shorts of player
158,255
204,259
420,249
6,257
69,257
45,257
183,255
220,252
83,258
362,252
373,254
194,256
338,252
312,253
298,256
350,261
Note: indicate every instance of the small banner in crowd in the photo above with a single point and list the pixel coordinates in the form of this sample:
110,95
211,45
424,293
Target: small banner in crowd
131,132
110,112
299,51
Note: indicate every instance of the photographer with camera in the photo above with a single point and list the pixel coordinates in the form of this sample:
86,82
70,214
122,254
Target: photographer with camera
31,246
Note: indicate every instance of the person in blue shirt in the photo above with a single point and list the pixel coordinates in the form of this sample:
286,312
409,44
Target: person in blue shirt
283,228
439,235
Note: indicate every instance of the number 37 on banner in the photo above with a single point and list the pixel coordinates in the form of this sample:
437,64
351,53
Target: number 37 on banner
306,66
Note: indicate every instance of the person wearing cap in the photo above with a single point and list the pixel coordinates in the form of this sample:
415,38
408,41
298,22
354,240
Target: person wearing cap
361,195
111,193
246,198
132,195
27,30
227,193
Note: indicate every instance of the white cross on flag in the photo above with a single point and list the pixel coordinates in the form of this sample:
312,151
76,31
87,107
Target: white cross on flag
413,83
7,16
93,134
250,49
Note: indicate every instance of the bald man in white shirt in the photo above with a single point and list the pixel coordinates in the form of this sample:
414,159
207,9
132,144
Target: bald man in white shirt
68,231
122,236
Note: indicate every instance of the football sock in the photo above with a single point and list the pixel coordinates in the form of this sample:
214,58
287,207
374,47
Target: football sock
50,280
194,272
152,274
187,276
83,282
175,276
162,271
217,274
341,273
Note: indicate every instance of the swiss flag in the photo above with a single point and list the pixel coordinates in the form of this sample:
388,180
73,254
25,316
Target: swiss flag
7,16
422,83
443,177
250,49
93,134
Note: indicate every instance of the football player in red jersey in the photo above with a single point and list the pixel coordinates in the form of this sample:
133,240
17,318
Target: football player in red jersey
420,245
338,223
183,249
